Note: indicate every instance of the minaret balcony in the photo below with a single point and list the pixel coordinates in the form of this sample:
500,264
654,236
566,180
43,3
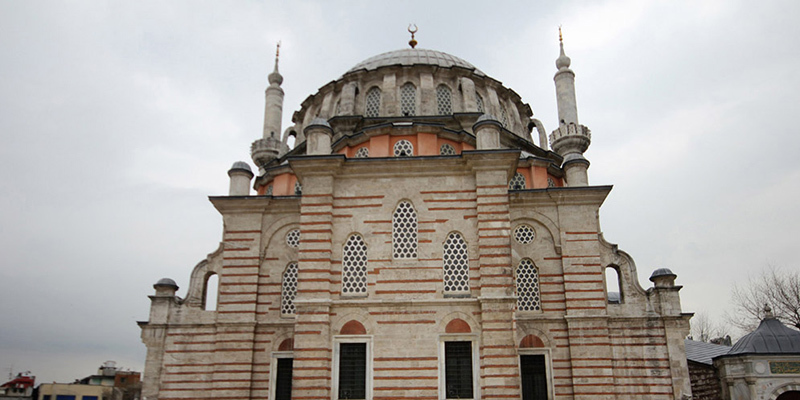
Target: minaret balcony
265,150
570,138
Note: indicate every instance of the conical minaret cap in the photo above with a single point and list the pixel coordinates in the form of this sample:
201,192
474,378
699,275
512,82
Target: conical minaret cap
562,61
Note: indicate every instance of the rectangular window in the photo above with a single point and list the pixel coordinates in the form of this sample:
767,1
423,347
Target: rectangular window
65,397
458,370
46,397
352,371
283,385
89,397
534,377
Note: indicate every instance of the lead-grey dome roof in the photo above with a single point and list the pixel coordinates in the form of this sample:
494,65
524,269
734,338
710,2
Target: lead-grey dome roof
771,337
408,57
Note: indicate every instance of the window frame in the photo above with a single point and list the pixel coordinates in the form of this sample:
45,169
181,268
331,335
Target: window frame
273,367
337,341
460,337
548,367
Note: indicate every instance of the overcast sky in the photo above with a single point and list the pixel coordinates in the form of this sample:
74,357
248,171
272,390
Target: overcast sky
117,119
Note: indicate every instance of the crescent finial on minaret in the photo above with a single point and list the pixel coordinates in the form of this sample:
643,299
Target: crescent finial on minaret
277,54
412,42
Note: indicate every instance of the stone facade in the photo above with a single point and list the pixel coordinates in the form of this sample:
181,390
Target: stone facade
416,243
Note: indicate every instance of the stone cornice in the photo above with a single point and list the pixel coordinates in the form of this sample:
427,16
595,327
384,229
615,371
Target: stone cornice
583,195
255,204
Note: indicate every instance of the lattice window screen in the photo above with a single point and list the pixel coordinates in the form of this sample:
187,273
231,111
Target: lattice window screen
447,150
362,152
354,266
550,182
517,182
373,103
527,286
403,148
408,100
524,234
479,100
503,116
404,231
444,100
293,238
289,289
269,190
298,188
456,263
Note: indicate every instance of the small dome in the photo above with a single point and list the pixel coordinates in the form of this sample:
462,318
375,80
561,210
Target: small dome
409,57
240,165
662,272
771,337
166,282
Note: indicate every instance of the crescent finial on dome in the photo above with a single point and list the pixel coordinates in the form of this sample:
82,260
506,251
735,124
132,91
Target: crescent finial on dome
412,42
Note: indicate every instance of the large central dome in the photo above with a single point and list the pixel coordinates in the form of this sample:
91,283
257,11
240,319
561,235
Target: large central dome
409,57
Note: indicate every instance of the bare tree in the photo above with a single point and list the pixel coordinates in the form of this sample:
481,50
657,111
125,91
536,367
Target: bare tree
779,289
705,330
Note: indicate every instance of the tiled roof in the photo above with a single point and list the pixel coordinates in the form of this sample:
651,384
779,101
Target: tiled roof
703,352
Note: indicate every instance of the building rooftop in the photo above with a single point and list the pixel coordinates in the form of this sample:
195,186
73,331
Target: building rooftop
409,57
703,353
771,337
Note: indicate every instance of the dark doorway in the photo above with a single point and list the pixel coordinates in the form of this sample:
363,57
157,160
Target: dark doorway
534,377
790,395
283,381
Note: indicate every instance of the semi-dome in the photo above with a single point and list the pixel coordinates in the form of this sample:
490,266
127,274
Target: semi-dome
409,57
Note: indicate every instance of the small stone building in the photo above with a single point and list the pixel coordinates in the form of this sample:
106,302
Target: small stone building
704,376
762,365
421,239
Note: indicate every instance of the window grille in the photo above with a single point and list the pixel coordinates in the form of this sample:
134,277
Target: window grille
293,238
352,371
269,190
550,182
289,289
517,182
456,263
458,370
524,234
408,100
403,148
533,376
504,116
447,150
354,266
283,380
373,103
444,100
479,100
338,107
298,188
404,231
362,152
527,286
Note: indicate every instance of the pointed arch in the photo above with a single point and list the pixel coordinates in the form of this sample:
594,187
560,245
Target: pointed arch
455,260
354,266
408,100
527,286
444,102
372,102
289,289
404,231
210,291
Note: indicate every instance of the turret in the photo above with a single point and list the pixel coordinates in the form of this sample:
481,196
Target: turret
240,174
571,139
269,147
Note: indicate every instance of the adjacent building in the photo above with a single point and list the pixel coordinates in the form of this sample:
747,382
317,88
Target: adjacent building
422,238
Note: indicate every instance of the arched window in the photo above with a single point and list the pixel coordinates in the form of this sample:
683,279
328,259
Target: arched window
447,150
408,100
517,182
503,116
613,290
479,100
372,103
269,190
211,291
404,231
298,188
443,100
362,152
403,148
338,107
354,266
527,281
456,264
289,289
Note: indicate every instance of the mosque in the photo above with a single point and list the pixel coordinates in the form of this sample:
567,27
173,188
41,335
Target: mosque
422,238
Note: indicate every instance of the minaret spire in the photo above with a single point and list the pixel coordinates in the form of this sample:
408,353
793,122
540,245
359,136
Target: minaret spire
571,139
269,147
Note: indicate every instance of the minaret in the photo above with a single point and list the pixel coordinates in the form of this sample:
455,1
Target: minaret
269,146
571,139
